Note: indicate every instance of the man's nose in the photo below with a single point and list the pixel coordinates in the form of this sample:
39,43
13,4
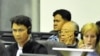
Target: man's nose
55,24
17,33
62,34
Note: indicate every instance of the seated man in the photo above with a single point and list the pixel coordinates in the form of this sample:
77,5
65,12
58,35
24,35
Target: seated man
21,30
60,17
69,33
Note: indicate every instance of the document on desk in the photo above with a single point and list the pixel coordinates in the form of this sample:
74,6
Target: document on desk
72,51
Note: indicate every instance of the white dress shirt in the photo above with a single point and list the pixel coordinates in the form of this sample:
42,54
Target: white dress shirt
19,51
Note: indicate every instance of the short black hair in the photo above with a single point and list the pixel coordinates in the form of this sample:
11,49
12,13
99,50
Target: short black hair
66,15
21,19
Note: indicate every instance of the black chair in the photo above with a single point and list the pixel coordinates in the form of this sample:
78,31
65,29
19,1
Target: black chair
6,36
41,35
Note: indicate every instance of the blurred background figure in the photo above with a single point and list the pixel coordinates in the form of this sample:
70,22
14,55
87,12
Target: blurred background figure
60,17
89,38
69,33
3,51
98,46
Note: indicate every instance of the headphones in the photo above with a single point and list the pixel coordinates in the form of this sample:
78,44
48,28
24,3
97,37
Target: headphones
29,30
76,33
81,35
76,29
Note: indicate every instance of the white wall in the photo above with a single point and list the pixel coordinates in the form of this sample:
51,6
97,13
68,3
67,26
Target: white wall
83,11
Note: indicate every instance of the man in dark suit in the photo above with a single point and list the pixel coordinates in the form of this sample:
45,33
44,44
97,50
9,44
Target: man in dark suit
50,44
21,30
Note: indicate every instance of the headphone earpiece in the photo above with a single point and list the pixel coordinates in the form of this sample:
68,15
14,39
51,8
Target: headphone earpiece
76,33
29,30
81,36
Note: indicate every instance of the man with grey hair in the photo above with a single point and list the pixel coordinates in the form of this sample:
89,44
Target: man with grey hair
68,34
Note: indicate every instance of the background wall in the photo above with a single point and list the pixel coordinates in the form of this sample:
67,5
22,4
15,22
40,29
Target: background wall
41,12
11,8
83,11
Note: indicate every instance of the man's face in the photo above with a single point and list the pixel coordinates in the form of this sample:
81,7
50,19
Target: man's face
89,38
67,34
19,32
58,22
